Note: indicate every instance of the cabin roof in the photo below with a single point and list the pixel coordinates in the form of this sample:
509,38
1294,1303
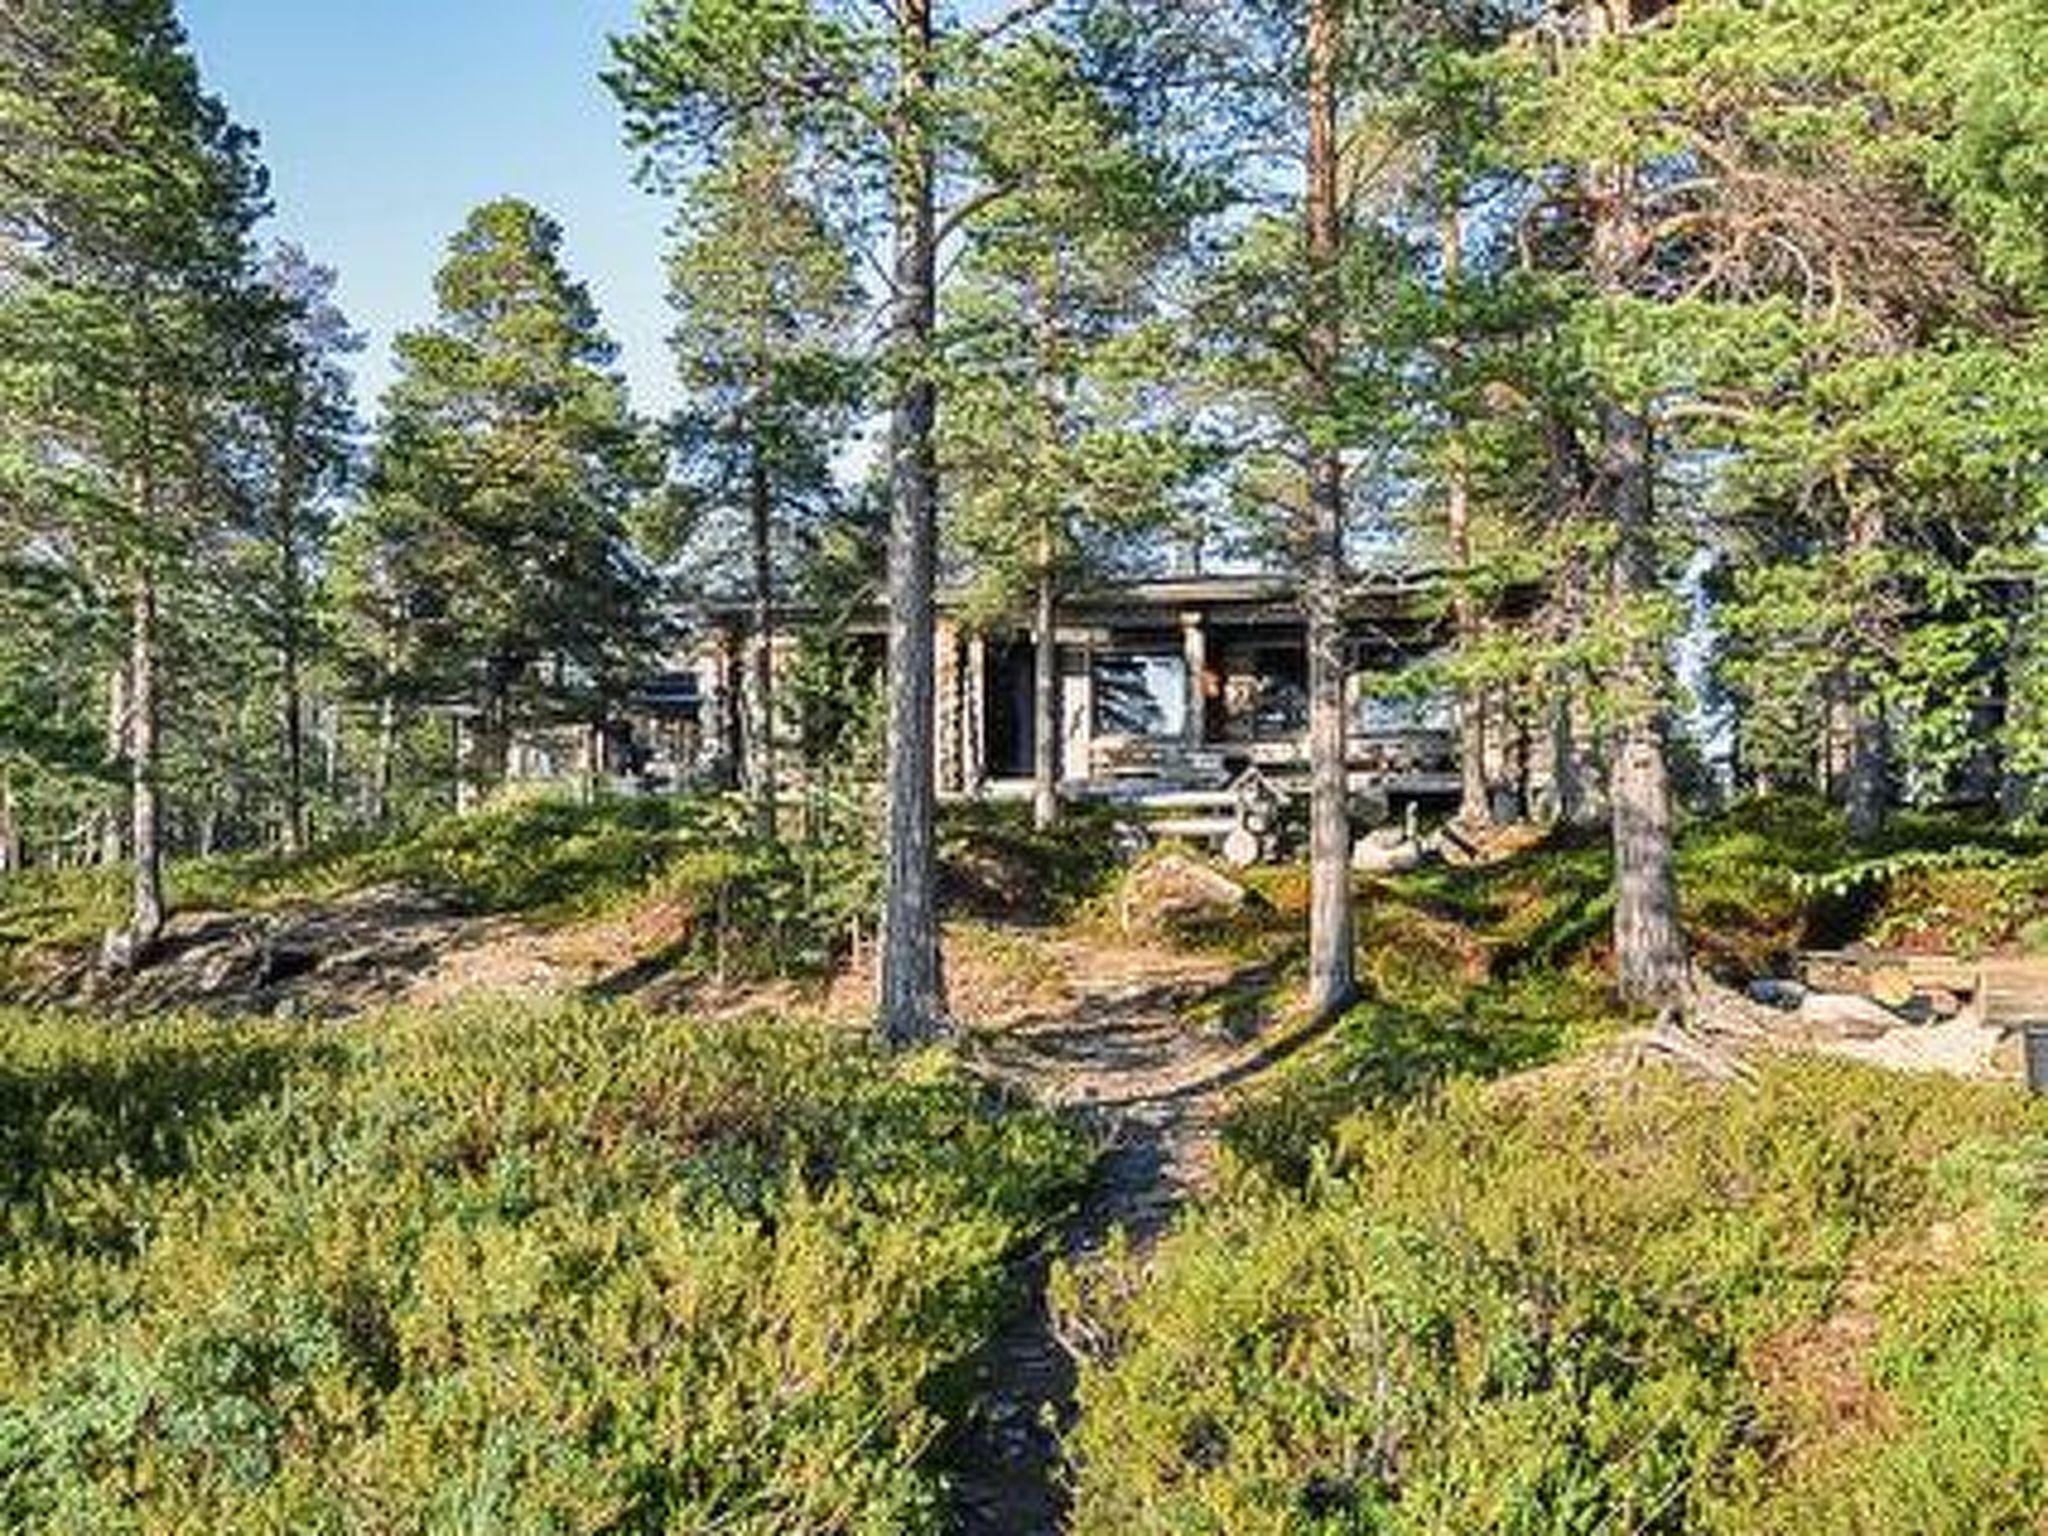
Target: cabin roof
1246,598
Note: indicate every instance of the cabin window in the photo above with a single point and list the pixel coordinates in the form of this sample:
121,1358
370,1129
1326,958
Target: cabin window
1141,693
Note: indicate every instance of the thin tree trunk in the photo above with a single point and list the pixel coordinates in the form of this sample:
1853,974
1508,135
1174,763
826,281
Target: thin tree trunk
146,920
1474,803
1566,790
386,758
761,746
912,1002
113,842
329,716
10,826
1649,945
292,705
1332,966
295,830
2016,786
491,741
1045,694
1867,789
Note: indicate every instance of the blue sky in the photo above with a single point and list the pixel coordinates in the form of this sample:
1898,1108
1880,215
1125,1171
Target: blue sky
385,121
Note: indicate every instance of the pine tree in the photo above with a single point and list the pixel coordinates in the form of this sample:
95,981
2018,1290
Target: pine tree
128,199
291,465
766,300
869,89
506,469
1296,326
1058,358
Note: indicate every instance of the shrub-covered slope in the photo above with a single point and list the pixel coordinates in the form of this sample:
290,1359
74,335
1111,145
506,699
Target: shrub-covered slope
1585,1305
575,1271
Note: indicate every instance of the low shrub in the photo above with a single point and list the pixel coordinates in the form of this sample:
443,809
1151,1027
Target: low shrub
581,1270
753,908
1593,1306
1408,1044
994,863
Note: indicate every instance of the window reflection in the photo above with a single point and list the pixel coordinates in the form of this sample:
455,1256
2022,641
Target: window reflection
1141,694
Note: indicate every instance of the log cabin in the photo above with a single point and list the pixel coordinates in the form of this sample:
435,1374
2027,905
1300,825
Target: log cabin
1168,689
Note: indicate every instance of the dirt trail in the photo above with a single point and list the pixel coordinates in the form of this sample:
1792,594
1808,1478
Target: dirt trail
1125,1045
387,946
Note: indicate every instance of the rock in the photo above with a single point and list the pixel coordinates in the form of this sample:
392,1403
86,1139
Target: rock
1891,985
281,964
1776,992
1175,890
1941,1002
1387,851
1845,1016
1242,847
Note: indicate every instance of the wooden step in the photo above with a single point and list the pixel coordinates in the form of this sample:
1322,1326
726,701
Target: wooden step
1194,828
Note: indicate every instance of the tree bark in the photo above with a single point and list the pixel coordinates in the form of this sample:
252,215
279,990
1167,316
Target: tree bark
1475,808
2016,786
295,829
912,1001
1332,966
1649,945
10,826
386,758
1569,795
1867,788
761,742
290,642
146,917
1045,694
112,839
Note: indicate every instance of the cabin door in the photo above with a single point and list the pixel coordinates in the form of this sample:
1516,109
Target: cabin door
1012,733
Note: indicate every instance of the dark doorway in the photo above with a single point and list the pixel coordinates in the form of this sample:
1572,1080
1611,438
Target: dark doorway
1012,725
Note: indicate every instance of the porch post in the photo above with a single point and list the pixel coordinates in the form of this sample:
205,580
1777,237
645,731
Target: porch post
947,734
974,714
1194,645
1077,701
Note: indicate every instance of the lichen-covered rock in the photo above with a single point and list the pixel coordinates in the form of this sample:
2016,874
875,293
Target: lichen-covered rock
1177,891
1845,1016
1388,851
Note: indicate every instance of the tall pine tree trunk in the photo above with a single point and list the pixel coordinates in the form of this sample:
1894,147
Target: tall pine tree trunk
294,722
1332,966
113,839
761,743
146,916
1649,946
1045,680
10,826
1474,802
912,1002
291,646
2018,716
1045,693
1568,794
385,759
1867,790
